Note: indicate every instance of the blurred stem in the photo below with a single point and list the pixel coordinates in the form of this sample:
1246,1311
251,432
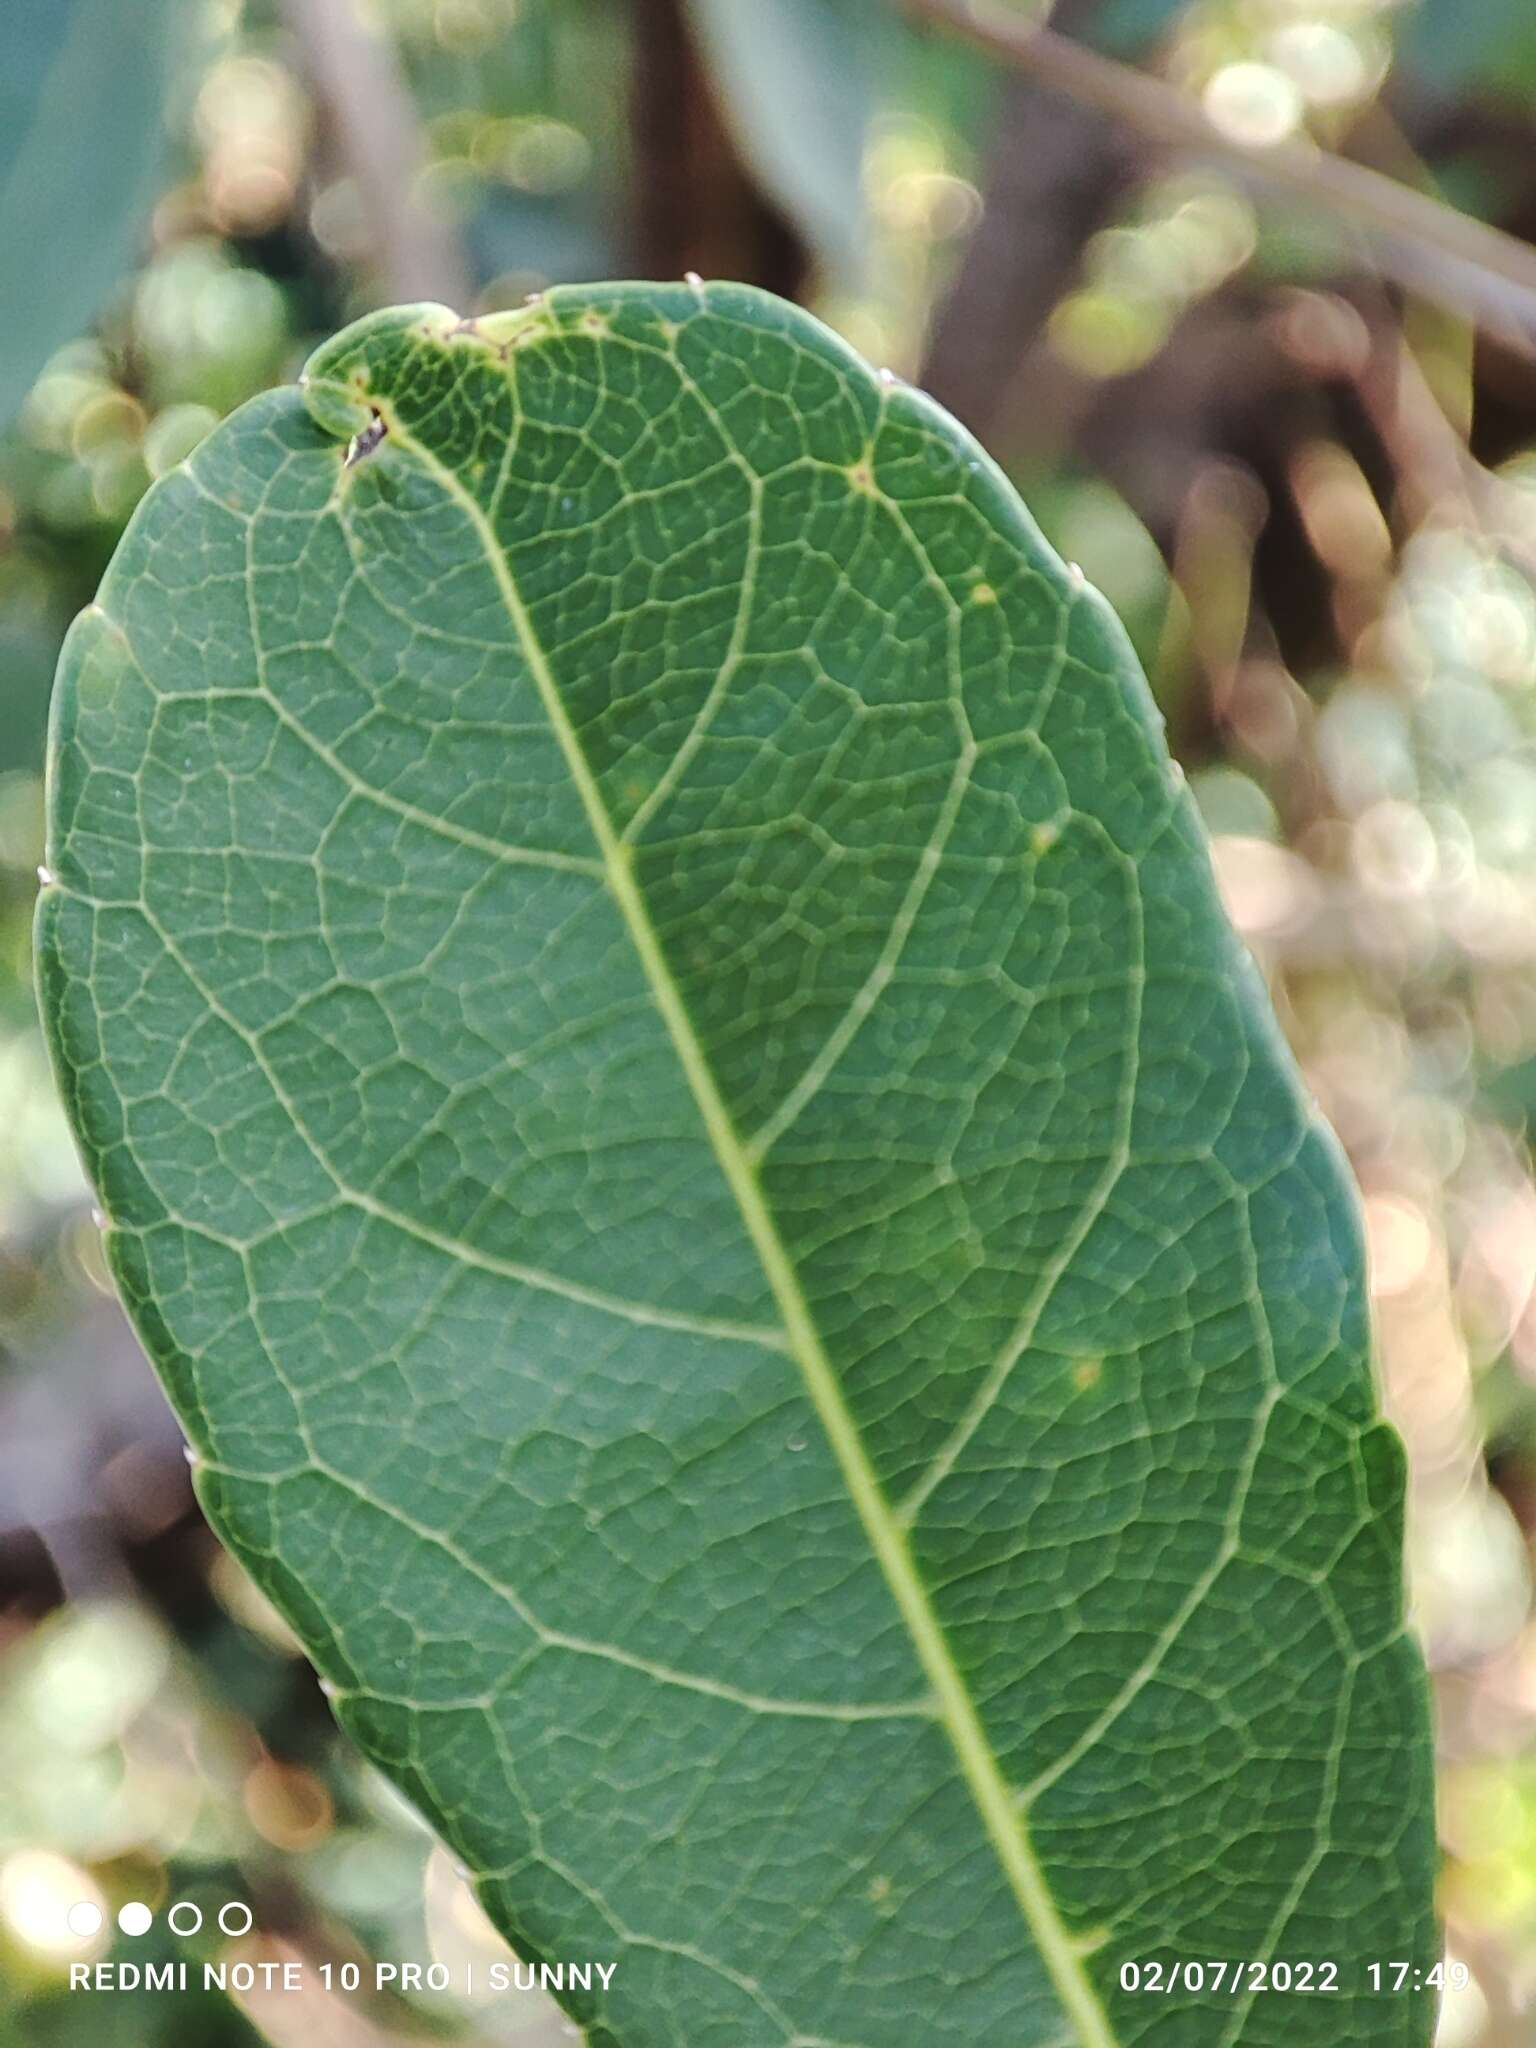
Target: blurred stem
1416,240
696,204
1054,171
359,83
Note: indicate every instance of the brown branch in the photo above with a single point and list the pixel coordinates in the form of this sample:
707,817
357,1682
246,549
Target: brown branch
696,205
1053,173
358,82
1418,242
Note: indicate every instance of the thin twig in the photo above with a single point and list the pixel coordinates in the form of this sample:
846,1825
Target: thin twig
1418,242
355,76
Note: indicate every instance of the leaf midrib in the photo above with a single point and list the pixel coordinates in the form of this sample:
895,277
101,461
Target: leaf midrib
999,1805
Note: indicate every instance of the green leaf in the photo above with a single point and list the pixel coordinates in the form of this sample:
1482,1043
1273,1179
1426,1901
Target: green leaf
799,80
82,157
1451,47
728,1219
1127,27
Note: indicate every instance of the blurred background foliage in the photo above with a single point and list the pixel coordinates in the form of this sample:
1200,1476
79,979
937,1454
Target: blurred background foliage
1299,456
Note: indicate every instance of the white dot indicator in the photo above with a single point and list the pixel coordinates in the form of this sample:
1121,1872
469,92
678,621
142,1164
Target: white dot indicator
84,1919
135,1918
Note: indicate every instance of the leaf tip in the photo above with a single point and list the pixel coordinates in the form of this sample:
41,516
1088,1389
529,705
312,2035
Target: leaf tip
339,377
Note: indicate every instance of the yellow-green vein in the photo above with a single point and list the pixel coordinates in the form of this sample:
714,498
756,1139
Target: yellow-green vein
996,1800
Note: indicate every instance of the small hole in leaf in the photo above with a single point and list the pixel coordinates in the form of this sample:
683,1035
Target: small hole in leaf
363,444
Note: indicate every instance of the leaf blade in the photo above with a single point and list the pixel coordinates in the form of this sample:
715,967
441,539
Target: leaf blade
798,79
544,568
81,160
